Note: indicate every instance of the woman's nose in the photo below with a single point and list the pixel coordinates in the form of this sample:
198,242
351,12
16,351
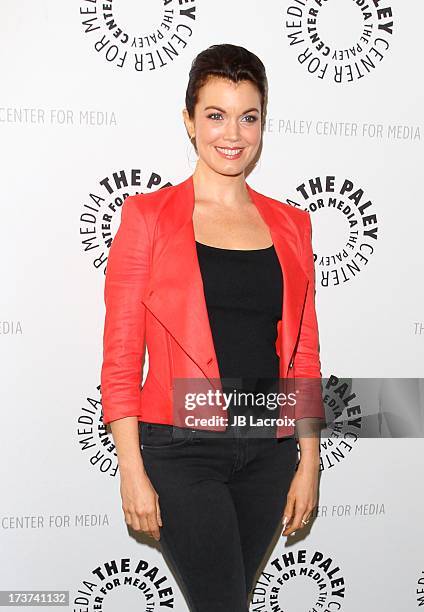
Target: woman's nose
232,131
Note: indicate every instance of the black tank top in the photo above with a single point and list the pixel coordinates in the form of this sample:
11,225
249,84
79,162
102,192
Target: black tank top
243,293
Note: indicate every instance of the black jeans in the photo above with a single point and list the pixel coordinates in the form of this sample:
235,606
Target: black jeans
221,499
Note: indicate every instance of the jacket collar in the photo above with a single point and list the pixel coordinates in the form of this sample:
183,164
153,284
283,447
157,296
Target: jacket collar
175,295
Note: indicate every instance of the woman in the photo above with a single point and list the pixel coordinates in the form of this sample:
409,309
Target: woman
199,272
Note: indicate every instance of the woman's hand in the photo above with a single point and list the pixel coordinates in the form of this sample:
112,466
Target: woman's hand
303,494
140,502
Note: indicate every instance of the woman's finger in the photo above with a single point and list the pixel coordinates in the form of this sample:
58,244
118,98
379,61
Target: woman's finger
135,521
158,514
288,513
153,525
297,521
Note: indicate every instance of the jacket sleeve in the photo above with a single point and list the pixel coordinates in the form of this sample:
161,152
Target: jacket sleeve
124,325
306,362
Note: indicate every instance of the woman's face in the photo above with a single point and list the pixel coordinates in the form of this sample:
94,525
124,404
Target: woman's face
227,124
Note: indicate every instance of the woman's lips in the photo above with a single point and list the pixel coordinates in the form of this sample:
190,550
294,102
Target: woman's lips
229,153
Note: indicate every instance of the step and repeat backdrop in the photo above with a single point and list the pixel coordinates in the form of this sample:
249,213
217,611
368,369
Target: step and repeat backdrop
91,111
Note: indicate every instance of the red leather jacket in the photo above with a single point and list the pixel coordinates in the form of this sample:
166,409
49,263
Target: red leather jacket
154,296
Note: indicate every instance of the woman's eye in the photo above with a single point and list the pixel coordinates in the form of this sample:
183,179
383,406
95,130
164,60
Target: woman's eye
248,118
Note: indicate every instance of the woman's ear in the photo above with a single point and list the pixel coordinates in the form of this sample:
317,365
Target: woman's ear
189,124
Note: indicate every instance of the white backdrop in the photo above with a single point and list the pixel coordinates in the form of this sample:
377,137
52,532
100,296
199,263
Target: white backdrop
82,124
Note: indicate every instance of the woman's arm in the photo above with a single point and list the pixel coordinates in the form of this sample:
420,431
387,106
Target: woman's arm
140,501
127,274
306,359
309,409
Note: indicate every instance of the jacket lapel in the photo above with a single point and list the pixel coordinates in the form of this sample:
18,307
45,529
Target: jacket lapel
175,295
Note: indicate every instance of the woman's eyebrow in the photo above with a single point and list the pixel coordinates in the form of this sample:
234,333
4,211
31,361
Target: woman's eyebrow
249,110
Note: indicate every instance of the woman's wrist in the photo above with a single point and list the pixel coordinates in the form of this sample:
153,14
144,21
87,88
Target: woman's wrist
309,458
131,466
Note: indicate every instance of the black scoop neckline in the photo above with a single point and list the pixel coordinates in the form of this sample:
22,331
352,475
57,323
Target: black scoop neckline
209,246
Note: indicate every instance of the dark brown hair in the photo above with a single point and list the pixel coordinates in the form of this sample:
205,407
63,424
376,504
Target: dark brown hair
227,61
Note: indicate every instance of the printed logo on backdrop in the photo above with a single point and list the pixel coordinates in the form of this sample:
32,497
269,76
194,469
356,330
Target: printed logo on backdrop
11,328
302,579
346,420
130,584
95,441
101,214
339,40
420,590
139,36
345,227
